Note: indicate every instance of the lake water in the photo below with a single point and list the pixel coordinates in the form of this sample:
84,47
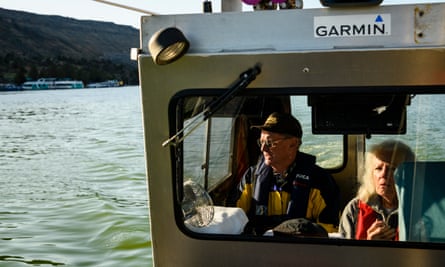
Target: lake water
72,175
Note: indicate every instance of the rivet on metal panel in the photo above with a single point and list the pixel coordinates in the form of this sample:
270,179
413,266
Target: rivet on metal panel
306,70
421,23
417,31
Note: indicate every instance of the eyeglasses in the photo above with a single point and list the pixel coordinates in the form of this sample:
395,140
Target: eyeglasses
269,143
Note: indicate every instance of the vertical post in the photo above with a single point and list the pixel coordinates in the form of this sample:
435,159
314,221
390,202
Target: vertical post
206,164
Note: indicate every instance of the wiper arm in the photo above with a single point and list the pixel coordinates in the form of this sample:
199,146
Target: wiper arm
241,83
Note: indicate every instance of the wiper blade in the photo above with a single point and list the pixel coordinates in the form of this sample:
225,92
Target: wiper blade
240,83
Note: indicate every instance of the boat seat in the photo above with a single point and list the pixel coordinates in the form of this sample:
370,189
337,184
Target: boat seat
421,189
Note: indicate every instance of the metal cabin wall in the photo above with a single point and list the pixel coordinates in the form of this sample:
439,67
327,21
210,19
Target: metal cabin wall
293,30
160,83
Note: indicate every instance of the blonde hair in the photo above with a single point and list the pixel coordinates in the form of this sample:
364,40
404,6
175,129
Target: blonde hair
390,151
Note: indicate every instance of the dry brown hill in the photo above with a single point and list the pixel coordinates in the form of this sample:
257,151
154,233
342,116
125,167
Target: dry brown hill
52,36
32,45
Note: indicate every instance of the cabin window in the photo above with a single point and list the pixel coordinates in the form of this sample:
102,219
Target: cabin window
208,148
208,153
420,184
424,128
327,148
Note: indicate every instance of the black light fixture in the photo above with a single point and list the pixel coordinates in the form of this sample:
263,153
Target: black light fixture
350,3
207,6
167,45
274,4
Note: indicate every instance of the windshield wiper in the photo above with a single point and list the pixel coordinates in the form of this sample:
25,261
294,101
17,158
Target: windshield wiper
240,83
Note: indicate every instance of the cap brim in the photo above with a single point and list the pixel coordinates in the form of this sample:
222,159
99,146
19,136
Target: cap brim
269,129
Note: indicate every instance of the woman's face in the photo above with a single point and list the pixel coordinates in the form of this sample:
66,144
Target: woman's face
383,177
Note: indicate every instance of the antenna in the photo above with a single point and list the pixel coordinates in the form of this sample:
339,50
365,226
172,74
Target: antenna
126,7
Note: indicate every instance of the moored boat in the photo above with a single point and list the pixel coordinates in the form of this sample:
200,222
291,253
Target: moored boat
104,84
9,87
52,83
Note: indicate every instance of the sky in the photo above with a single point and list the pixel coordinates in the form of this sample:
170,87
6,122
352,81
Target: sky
92,10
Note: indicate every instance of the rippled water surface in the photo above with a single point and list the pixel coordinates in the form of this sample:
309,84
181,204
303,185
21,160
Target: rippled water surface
72,177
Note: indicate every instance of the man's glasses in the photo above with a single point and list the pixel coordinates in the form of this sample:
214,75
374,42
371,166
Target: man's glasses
269,143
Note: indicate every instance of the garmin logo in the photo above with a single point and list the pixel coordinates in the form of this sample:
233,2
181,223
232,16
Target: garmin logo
352,25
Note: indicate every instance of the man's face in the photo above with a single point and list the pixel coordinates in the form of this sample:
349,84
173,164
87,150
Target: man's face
277,149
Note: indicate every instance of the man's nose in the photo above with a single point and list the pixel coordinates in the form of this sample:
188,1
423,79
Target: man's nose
264,147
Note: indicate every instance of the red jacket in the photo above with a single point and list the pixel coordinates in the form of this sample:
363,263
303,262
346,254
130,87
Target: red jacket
358,216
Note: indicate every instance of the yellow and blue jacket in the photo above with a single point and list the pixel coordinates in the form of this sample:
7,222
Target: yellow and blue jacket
308,191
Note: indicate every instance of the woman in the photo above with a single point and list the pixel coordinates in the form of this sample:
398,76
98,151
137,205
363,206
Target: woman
372,214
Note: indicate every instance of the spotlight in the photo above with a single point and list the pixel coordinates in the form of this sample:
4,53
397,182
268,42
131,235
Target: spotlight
350,3
167,45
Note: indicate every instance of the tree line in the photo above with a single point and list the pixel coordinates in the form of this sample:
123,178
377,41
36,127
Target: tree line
17,69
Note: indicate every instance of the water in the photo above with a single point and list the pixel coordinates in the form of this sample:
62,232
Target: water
72,176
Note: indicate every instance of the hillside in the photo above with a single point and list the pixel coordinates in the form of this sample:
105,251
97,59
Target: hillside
38,45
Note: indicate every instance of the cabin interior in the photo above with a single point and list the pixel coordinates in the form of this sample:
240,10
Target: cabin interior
337,128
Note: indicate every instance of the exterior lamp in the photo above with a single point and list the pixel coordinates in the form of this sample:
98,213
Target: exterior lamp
274,4
350,3
167,45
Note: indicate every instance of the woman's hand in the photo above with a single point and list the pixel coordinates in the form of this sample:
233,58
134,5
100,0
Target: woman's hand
380,231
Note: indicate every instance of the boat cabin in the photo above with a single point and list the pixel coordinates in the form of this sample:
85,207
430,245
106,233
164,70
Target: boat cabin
352,76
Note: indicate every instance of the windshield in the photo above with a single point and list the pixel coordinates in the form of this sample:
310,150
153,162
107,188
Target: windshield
217,152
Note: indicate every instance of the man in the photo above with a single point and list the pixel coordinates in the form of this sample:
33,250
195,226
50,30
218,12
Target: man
286,183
